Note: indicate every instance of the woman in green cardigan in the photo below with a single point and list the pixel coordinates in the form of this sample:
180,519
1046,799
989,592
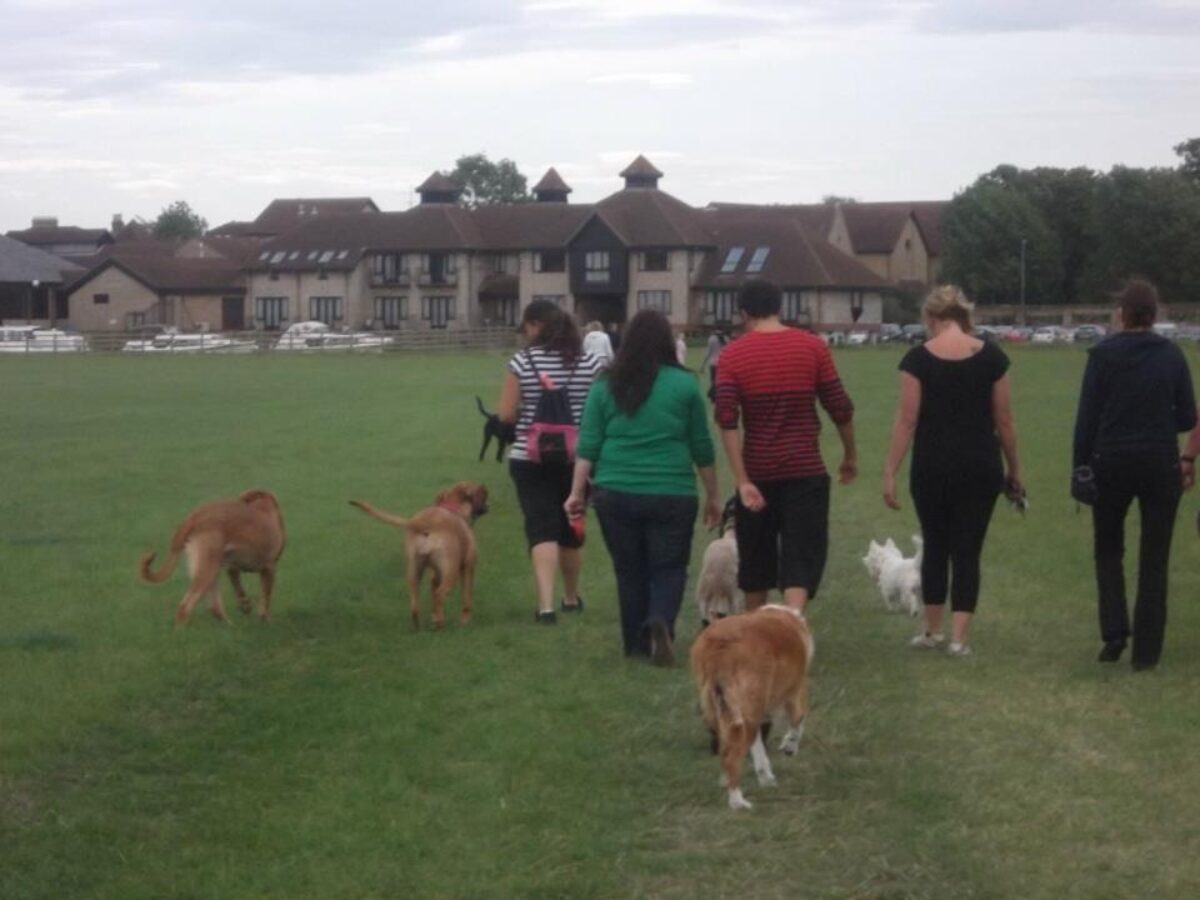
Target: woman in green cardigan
642,438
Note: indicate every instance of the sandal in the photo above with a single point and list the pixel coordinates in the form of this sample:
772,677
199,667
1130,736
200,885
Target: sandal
575,607
545,617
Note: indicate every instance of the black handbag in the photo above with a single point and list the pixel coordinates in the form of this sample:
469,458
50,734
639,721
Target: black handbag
1083,485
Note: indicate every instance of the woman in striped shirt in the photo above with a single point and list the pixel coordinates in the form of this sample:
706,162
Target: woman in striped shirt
554,354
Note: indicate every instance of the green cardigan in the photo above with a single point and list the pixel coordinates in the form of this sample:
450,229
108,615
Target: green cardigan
654,450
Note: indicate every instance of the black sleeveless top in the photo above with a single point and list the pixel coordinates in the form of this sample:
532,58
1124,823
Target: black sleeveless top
956,434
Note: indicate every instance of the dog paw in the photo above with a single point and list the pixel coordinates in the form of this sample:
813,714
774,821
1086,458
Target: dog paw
790,744
737,801
766,779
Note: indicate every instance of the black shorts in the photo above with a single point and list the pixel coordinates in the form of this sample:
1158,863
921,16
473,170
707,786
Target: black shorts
785,544
542,491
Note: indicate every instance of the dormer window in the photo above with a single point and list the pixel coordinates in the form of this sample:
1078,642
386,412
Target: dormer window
758,259
732,259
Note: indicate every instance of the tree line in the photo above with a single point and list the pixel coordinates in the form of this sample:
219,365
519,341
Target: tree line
1082,231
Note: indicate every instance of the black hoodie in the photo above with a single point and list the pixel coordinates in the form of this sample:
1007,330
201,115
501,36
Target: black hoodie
1137,396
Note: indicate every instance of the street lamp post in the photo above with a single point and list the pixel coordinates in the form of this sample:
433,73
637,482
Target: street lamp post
1022,282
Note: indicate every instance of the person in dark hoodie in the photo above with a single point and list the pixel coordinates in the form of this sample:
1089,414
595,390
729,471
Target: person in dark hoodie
1136,399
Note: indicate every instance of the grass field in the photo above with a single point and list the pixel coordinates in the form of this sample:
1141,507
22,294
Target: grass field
335,753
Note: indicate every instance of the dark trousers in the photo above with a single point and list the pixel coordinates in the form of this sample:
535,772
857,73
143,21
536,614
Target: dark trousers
954,518
785,544
1154,480
649,537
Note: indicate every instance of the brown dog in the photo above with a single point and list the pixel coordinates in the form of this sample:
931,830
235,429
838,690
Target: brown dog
439,537
242,535
747,667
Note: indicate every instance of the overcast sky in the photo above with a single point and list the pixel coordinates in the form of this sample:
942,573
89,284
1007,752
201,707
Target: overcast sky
123,108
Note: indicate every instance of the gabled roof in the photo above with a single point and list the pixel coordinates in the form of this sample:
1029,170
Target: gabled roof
23,264
172,275
798,257
281,215
652,218
439,183
551,182
237,229
641,167
875,227
928,214
815,215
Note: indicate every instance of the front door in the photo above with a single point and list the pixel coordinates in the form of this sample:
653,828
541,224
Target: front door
233,314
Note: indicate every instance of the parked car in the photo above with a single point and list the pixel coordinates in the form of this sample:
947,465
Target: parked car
1090,333
315,337
858,338
914,334
1166,329
1019,334
32,339
1047,334
889,332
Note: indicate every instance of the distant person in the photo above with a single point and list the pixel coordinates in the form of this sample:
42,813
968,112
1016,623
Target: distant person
771,379
597,343
717,340
955,412
1136,398
644,436
554,353
681,349
614,336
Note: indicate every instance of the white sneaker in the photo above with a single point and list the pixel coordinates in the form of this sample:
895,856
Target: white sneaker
956,649
926,641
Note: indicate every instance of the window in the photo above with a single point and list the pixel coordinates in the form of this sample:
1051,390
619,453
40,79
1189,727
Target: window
559,300
326,256
437,311
295,254
270,312
660,300
325,309
134,320
390,312
99,299
795,307
262,257
312,254
595,264
550,261
656,261
438,267
278,257
387,268
732,259
719,307
342,254
758,259
498,264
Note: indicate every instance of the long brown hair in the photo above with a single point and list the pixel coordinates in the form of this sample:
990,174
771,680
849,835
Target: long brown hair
646,347
558,333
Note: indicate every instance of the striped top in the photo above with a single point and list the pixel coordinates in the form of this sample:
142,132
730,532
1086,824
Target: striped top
775,378
577,379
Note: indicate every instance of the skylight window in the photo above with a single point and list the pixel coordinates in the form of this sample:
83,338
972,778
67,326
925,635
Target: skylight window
295,254
732,260
758,259
262,257
326,256
343,254
278,257
312,255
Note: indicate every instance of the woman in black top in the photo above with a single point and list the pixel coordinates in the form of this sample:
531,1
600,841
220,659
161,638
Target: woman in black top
955,411
1136,398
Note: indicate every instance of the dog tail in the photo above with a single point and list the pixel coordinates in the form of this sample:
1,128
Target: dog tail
380,514
178,541
482,408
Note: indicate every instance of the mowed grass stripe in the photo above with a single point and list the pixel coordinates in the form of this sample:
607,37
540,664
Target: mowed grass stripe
334,753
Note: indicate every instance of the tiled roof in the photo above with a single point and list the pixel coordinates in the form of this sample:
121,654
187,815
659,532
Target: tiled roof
20,263
814,215
799,256
529,225
173,275
641,166
875,227
281,215
439,183
652,218
928,214
552,181
42,235
237,229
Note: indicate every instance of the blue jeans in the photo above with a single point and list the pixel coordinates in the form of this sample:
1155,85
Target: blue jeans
649,537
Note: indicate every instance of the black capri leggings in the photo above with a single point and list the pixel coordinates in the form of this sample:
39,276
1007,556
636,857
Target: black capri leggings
954,521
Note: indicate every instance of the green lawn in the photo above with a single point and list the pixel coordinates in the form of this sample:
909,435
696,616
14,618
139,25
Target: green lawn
335,753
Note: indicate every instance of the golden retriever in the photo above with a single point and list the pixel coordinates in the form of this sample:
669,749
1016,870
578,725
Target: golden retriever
747,667
242,535
440,538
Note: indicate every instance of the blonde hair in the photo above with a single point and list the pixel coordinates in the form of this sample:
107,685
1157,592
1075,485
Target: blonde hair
592,326
948,302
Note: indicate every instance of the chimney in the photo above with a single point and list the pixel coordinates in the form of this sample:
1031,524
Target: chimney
118,222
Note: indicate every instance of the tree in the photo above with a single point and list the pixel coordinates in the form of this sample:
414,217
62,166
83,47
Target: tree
982,232
1189,153
487,183
837,200
178,221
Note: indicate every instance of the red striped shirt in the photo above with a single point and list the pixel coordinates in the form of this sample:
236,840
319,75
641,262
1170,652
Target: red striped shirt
775,378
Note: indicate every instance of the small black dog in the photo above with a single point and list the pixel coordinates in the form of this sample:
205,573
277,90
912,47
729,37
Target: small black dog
504,433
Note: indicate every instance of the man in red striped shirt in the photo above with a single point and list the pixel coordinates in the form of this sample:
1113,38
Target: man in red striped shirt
774,376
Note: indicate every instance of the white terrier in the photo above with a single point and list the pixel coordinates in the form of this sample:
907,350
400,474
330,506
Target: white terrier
899,579
717,594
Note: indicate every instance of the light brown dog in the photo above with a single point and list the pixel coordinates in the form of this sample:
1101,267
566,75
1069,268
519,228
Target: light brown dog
440,538
242,535
747,667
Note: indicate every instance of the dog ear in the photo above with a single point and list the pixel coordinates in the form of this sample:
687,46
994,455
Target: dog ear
255,496
479,496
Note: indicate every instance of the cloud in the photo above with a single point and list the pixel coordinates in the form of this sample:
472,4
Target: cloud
650,79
